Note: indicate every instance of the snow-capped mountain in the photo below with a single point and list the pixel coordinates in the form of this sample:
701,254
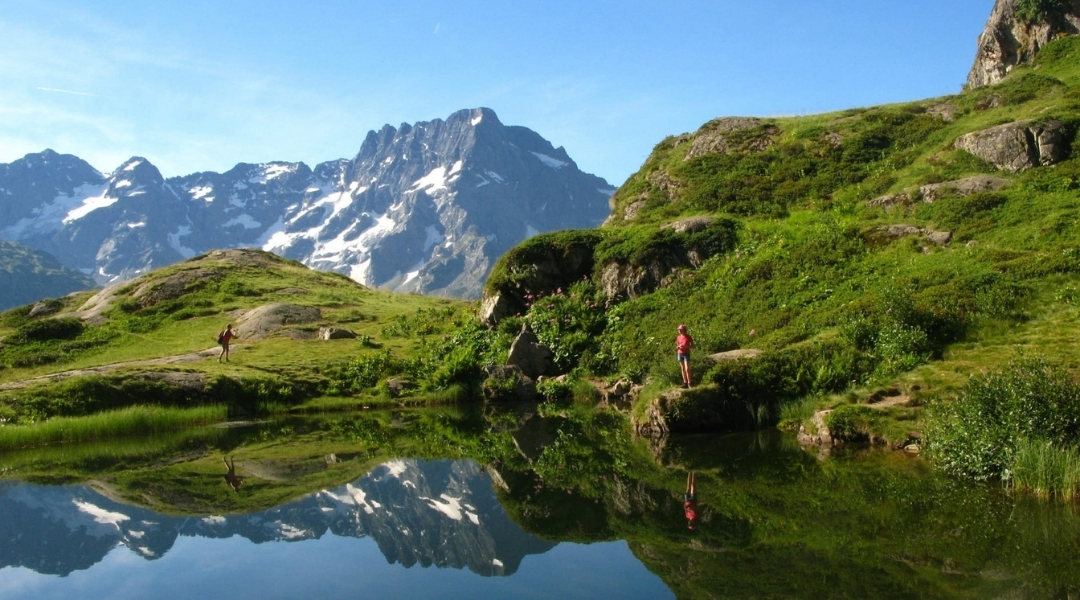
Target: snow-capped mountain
426,207
441,513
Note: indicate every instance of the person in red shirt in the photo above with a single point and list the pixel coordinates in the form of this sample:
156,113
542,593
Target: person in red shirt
224,338
683,343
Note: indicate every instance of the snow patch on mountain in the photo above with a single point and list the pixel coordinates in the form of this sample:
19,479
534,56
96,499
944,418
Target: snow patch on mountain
554,163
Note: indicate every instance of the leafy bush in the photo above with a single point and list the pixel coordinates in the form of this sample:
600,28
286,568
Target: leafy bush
978,434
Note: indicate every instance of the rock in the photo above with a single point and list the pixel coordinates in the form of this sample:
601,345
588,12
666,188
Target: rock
507,382
398,386
40,309
335,333
260,322
1008,41
886,234
714,136
939,238
820,436
632,210
739,354
690,225
963,187
528,354
540,273
889,201
1017,146
945,110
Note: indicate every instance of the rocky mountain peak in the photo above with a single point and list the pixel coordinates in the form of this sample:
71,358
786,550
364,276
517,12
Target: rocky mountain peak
426,207
1015,32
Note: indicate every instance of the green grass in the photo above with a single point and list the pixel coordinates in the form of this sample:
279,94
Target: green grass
128,421
1046,470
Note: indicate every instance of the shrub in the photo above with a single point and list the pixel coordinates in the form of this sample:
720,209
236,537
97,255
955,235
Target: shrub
852,422
978,434
45,330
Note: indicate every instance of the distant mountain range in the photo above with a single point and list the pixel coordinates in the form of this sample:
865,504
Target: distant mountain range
441,513
421,208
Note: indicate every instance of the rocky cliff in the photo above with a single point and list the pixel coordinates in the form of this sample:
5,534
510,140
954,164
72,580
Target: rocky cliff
1015,32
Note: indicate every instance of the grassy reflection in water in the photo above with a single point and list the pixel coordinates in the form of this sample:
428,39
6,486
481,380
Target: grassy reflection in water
108,424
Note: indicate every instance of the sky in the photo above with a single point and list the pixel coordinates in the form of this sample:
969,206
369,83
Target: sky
202,85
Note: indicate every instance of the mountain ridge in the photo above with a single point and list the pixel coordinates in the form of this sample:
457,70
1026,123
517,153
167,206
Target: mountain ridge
426,207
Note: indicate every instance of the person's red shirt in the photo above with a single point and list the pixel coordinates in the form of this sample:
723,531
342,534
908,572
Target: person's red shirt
683,343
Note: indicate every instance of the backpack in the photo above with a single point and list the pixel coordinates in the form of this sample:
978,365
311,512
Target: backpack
221,338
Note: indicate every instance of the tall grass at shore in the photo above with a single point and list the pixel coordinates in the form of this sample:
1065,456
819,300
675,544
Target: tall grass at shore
1046,470
126,421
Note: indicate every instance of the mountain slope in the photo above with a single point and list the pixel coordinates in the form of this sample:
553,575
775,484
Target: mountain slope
850,247
422,208
27,275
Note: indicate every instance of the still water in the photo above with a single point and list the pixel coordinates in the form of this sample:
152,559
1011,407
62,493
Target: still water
464,505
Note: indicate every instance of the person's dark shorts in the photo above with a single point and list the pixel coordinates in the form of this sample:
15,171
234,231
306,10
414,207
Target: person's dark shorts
683,357
690,497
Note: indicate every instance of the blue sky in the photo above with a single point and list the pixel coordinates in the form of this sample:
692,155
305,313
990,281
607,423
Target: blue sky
202,85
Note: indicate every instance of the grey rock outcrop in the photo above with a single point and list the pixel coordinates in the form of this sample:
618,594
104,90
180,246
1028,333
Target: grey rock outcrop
716,137
1008,40
962,187
265,320
1018,146
528,354
886,234
336,333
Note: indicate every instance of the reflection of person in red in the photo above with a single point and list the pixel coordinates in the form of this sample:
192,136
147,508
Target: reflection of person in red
690,502
231,478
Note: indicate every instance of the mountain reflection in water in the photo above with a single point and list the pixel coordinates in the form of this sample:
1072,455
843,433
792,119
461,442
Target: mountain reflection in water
433,513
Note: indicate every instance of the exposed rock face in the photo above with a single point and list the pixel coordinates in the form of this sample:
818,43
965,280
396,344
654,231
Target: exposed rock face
740,354
1018,146
888,201
421,208
507,382
265,320
963,187
336,333
528,354
1008,41
716,136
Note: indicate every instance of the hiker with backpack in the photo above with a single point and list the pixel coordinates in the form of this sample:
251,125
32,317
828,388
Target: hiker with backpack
224,338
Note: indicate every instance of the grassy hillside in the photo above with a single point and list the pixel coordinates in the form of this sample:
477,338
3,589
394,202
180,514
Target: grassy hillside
152,341
856,284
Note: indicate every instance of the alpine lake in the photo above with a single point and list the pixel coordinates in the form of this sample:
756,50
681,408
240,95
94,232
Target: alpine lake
527,501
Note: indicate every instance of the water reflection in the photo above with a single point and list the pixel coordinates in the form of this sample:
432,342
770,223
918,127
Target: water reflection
567,502
431,513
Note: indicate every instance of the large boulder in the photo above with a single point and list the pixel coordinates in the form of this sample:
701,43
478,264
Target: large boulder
962,187
528,354
1013,37
1018,146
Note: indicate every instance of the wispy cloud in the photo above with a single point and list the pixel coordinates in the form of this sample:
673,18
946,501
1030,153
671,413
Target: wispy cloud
58,91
